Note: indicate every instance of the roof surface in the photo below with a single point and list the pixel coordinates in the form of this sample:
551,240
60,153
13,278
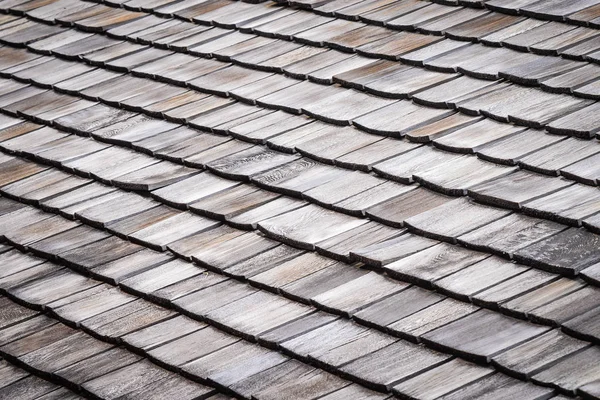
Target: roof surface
312,199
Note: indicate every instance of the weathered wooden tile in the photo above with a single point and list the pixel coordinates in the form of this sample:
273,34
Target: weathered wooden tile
37,340
191,346
388,251
571,372
357,294
522,41
225,252
482,335
199,186
400,305
316,344
384,368
81,82
201,157
244,164
174,386
496,386
100,252
64,352
438,223
125,318
567,252
394,211
290,271
163,332
584,171
303,384
28,326
70,202
171,229
23,236
161,276
481,276
458,174
326,145
403,167
551,159
97,365
306,285
263,262
510,233
355,391
517,189
103,212
569,205
401,117
30,387
104,300
592,223
271,377
342,188
14,314
93,118
125,380
257,313
472,138
530,357
365,157
169,293
299,176
188,246
442,379
576,299
213,297
433,263
11,374
308,225
122,268
232,201
514,287
65,241
340,246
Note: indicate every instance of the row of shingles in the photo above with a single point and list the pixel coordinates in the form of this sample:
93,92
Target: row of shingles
394,168
402,105
529,69
106,312
553,75
489,28
224,165
230,168
327,303
337,299
582,12
15,382
459,141
205,194
538,194
498,108
416,320
196,308
464,24
90,366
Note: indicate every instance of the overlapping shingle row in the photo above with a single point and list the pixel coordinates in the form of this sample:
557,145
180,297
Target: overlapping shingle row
223,199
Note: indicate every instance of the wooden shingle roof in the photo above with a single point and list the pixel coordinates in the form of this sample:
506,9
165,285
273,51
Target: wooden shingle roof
300,199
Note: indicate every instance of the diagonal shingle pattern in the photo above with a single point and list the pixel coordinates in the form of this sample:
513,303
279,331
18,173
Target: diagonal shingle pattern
320,199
